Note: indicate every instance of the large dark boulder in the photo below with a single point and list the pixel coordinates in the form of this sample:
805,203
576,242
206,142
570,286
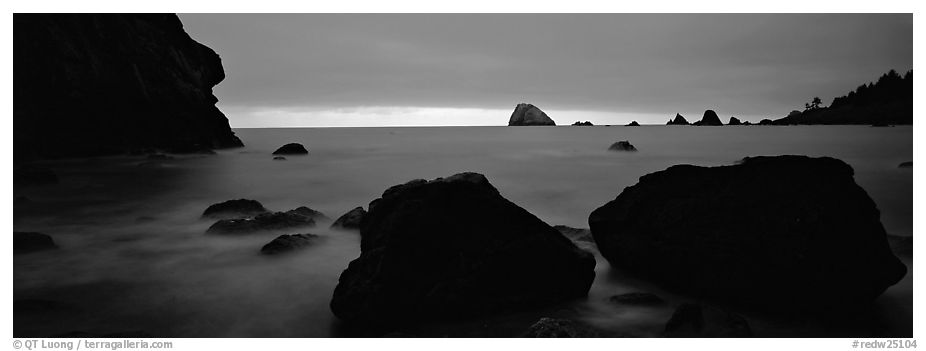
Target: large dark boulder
300,217
90,84
288,243
529,115
454,248
291,149
350,220
710,118
679,120
700,321
785,230
26,242
234,209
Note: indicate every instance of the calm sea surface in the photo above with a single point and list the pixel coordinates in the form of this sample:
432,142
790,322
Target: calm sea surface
134,256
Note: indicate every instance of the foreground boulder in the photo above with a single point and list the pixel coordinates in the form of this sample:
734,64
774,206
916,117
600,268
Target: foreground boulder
785,230
678,121
622,146
89,84
454,248
234,209
559,328
529,115
291,149
287,243
699,321
300,217
350,220
26,242
709,119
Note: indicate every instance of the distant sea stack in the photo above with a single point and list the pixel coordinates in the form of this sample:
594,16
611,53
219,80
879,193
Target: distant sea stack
529,115
95,84
734,122
679,120
709,119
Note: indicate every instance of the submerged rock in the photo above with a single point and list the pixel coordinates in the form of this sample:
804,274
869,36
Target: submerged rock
586,124
265,221
529,115
26,242
709,119
279,158
351,219
454,248
287,243
908,164
234,209
291,149
637,299
679,120
33,175
622,146
700,321
761,232
734,122
559,328
633,124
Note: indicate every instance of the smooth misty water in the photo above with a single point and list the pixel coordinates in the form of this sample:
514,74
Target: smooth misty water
134,257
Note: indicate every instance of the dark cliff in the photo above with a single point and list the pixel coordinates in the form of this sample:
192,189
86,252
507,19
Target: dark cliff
887,101
94,84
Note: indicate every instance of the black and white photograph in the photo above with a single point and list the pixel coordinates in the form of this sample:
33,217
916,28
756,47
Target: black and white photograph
477,174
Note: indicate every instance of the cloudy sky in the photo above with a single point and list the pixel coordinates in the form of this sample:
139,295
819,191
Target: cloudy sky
288,70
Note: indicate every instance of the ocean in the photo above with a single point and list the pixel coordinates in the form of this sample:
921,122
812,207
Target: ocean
134,258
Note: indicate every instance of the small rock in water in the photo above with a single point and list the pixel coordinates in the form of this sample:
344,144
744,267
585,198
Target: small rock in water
279,158
287,243
235,209
638,299
633,124
26,242
908,164
291,149
583,124
558,328
698,321
622,146
266,221
351,219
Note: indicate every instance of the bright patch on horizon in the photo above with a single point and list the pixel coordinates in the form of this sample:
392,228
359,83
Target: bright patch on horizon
410,116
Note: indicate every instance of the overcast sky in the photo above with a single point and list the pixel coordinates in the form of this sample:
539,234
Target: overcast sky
472,69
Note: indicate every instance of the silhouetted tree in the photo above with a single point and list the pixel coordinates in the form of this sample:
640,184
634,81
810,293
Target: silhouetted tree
816,102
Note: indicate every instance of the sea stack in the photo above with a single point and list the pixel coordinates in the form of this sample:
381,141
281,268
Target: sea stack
734,122
709,119
679,121
454,248
762,232
94,84
529,115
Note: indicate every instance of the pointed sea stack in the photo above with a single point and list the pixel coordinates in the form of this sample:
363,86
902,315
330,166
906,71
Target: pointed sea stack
678,121
529,115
